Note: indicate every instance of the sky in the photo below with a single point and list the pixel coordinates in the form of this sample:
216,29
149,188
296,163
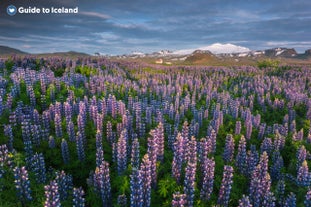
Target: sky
122,26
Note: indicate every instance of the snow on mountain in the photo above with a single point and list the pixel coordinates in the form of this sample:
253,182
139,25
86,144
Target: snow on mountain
216,48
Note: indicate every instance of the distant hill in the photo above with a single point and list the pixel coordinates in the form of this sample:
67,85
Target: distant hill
64,54
201,57
4,51
7,51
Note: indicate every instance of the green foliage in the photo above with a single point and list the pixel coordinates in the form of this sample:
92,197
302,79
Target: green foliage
268,63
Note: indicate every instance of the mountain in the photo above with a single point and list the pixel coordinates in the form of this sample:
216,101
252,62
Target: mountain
4,51
216,48
281,52
64,54
201,57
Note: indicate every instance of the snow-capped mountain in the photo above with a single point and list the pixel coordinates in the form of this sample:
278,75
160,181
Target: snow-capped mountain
216,48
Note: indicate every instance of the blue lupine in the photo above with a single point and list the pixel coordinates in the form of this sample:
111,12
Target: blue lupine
51,142
58,125
290,200
38,167
136,188
64,183
22,184
277,165
280,191
65,151
122,200
78,197
241,156
135,154
80,146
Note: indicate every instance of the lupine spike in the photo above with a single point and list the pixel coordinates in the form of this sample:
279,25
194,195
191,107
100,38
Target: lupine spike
226,185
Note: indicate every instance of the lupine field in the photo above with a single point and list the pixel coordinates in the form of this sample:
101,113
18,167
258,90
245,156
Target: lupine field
98,132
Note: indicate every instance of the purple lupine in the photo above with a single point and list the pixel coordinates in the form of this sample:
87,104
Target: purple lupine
208,168
65,151
38,167
307,200
52,197
135,154
290,201
303,175
229,149
238,127
136,188
99,141
261,131
204,148
160,141
226,185
102,183
179,200
122,153
260,182
78,197
22,184
152,155
249,128
109,132
245,202
241,156
64,183
81,127
122,200
279,141
71,131
80,147
189,181
212,138
58,125
145,171
99,156
191,153
178,157
301,156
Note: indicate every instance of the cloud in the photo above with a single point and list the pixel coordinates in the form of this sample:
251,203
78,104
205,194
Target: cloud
95,14
117,26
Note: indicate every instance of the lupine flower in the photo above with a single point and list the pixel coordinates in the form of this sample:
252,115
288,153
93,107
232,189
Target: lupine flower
78,197
22,184
226,185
